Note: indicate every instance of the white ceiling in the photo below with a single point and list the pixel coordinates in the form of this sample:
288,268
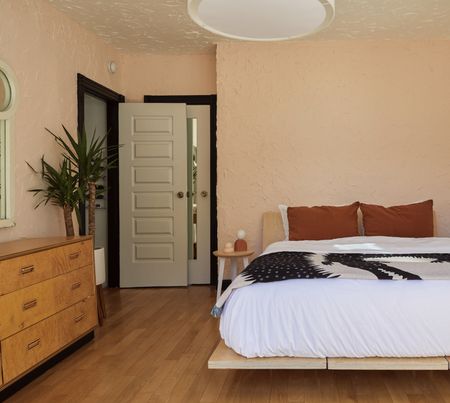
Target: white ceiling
163,26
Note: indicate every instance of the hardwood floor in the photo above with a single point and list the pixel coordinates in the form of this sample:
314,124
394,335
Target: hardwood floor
154,347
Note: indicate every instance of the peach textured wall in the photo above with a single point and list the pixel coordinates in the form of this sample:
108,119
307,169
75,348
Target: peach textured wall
46,53
46,50
167,75
330,123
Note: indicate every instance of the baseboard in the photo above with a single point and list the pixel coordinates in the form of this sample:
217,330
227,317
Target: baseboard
51,362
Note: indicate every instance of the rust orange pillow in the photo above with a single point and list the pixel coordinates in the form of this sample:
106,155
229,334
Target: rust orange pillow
322,222
409,221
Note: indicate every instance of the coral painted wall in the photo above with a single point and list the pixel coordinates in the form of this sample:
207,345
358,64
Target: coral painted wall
167,75
46,50
301,123
330,123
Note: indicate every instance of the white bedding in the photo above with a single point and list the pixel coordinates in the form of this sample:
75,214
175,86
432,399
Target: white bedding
342,318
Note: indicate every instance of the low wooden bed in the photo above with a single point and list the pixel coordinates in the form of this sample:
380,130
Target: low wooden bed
225,358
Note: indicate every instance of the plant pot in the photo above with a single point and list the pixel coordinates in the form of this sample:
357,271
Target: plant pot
100,277
99,262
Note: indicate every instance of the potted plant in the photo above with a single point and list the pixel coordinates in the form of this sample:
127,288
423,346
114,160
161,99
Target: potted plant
61,189
92,159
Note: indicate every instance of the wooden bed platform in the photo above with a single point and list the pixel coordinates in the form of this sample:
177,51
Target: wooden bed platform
225,358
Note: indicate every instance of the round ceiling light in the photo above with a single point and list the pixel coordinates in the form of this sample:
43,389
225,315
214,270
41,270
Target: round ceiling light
262,20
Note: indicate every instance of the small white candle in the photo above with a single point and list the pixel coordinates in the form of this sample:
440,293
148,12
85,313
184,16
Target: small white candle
228,247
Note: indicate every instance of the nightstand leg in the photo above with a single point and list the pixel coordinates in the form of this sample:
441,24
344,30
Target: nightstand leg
233,268
245,260
220,277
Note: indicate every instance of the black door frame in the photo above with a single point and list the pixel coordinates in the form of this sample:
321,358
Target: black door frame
211,101
112,99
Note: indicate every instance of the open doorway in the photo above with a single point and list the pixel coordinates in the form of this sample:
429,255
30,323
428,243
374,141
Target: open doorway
98,108
95,121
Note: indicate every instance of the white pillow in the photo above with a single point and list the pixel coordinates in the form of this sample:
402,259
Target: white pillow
283,210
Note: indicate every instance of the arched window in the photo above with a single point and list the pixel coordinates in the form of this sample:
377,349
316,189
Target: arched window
8,103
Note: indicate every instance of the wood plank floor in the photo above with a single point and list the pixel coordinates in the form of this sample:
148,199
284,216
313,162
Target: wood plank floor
155,345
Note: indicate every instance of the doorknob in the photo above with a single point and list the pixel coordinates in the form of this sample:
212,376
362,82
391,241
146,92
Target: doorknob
204,193
180,195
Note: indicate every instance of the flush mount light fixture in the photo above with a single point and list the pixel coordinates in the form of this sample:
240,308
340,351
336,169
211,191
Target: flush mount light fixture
262,20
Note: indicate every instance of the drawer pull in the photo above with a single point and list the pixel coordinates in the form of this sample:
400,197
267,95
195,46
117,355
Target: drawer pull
34,344
26,270
79,317
76,285
29,304
74,256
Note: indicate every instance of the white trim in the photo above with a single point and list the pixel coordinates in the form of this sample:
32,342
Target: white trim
7,223
9,112
10,175
8,148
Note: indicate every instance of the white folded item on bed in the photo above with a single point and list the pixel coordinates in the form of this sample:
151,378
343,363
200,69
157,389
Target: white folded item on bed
342,317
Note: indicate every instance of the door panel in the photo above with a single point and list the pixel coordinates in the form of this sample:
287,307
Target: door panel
153,220
154,150
153,226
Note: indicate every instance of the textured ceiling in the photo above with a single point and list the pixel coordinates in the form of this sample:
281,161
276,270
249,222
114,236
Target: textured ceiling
163,26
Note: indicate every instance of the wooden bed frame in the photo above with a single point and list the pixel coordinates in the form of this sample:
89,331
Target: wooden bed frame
225,358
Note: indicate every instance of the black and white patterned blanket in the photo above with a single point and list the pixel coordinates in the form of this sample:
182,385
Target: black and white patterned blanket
280,266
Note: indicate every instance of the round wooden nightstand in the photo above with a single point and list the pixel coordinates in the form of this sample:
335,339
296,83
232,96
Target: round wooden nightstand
233,256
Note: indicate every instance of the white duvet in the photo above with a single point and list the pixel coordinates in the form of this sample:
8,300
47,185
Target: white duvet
342,318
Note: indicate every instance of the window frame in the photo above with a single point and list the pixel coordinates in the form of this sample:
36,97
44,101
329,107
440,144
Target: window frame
7,147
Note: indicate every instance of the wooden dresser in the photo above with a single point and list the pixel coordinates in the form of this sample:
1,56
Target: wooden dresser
47,300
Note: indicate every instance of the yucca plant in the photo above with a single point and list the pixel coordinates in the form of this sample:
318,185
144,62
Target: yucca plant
61,190
91,160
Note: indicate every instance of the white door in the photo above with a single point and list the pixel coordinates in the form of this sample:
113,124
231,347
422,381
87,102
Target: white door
199,198
153,207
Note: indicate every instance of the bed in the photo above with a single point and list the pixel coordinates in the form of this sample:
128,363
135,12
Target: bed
338,324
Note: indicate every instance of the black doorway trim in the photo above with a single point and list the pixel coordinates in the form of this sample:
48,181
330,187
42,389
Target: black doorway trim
112,99
210,100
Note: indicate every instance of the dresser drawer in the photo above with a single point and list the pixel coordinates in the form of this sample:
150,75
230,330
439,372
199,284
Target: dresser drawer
27,306
74,286
23,271
34,344
79,254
